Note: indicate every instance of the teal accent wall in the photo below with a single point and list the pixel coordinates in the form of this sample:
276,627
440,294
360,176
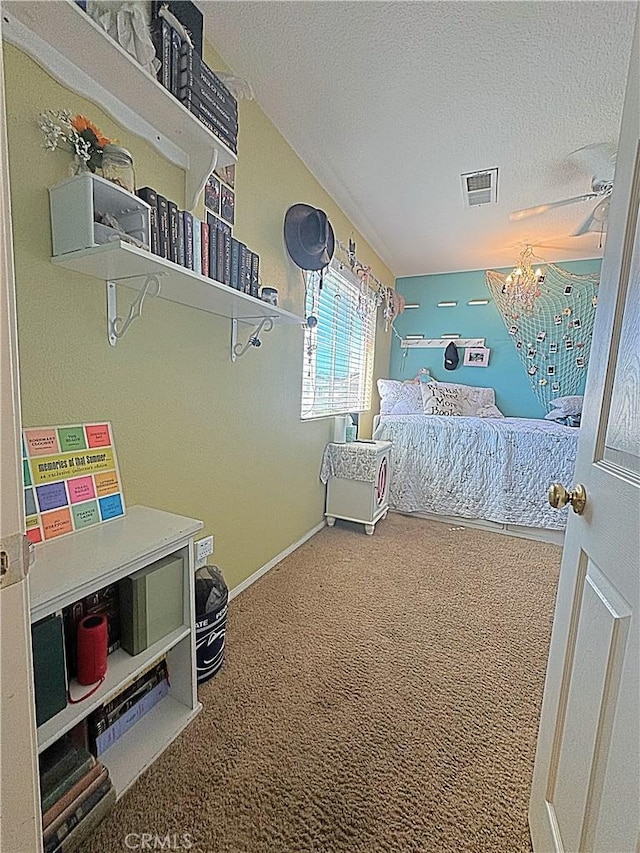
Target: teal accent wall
505,372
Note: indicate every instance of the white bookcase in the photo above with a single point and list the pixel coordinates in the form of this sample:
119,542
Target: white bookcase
73,566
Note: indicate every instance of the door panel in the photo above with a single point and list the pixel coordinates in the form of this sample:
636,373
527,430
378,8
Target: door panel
586,785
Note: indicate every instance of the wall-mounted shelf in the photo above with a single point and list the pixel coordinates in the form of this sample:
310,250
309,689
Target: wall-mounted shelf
417,343
79,54
120,263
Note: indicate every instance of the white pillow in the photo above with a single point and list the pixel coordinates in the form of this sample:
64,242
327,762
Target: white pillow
471,399
441,401
399,398
562,407
489,411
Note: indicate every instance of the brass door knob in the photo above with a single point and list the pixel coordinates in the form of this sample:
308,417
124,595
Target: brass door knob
559,497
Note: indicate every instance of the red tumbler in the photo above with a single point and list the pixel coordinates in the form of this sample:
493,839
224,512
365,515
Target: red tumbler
93,647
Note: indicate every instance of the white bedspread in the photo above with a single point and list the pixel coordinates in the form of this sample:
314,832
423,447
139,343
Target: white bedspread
495,469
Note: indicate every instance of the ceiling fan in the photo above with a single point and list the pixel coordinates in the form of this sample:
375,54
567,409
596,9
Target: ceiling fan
600,160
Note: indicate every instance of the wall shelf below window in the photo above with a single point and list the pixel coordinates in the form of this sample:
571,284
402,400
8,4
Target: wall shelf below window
68,44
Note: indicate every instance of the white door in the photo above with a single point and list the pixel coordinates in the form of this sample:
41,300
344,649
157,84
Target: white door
19,794
586,786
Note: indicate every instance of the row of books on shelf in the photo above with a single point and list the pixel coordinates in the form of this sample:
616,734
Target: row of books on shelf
206,247
76,791
186,75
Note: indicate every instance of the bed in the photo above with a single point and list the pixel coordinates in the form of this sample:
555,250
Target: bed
486,467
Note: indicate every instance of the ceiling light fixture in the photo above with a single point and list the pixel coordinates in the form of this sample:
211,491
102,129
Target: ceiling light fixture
478,302
522,286
447,304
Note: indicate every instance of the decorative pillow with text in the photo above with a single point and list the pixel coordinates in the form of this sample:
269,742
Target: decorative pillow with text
437,400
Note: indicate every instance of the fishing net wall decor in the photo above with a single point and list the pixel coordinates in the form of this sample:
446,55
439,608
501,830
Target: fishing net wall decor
549,315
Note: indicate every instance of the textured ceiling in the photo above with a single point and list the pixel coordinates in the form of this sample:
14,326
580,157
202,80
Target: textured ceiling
388,103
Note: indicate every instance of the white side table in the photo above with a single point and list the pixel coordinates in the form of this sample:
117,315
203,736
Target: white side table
357,475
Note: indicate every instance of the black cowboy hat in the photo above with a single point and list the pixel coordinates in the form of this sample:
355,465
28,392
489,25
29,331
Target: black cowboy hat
308,236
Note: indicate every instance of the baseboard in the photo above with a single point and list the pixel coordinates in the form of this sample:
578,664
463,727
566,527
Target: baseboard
245,584
539,534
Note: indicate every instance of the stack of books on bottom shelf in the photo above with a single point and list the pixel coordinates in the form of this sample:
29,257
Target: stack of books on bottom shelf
76,794
111,721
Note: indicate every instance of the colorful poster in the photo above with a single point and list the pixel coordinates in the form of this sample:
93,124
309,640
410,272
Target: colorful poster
71,479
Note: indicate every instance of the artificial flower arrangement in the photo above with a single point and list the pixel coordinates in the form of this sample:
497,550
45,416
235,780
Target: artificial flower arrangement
76,134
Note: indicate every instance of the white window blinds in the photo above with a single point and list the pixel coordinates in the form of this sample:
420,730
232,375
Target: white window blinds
339,350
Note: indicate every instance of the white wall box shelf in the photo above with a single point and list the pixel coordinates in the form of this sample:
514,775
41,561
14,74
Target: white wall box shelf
76,202
134,268
68,44
70,568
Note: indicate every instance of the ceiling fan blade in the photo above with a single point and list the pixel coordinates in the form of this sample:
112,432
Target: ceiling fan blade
517,215
595,221
598,160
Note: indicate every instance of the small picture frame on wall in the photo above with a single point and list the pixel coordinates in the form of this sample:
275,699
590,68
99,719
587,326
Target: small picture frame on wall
227,205
227,175
476,357
212,194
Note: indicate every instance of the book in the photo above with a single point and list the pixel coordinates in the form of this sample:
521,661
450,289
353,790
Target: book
106,715
163,226
254,285
173,231
235,260
122,725
213,245
160,32
71,795
226,243
242,268
215,127
174,78
49,670
76,811
188,239
180,257
61,766
88,824
209,107
197,245
205,248
197,90
195,72
220,251
151,197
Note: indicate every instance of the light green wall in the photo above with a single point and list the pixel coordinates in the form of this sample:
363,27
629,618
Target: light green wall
195,434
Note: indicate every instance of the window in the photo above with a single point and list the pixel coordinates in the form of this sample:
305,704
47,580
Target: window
338,351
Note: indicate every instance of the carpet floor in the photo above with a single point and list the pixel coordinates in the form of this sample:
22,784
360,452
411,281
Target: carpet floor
380,694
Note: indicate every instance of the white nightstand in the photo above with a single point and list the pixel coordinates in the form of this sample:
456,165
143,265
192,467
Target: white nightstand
357,475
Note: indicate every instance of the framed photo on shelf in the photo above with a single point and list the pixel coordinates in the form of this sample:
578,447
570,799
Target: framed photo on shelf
227,175
476,357
227,205
212,194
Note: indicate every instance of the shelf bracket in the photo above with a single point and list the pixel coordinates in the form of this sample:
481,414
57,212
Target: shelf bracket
116,326
238,349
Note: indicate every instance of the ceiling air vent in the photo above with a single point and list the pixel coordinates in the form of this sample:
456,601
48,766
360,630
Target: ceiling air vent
480,187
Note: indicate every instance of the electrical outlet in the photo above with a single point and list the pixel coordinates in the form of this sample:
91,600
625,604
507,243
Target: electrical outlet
204,549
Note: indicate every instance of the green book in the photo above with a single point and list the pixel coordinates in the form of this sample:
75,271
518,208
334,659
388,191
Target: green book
61,766
49,673
151,603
